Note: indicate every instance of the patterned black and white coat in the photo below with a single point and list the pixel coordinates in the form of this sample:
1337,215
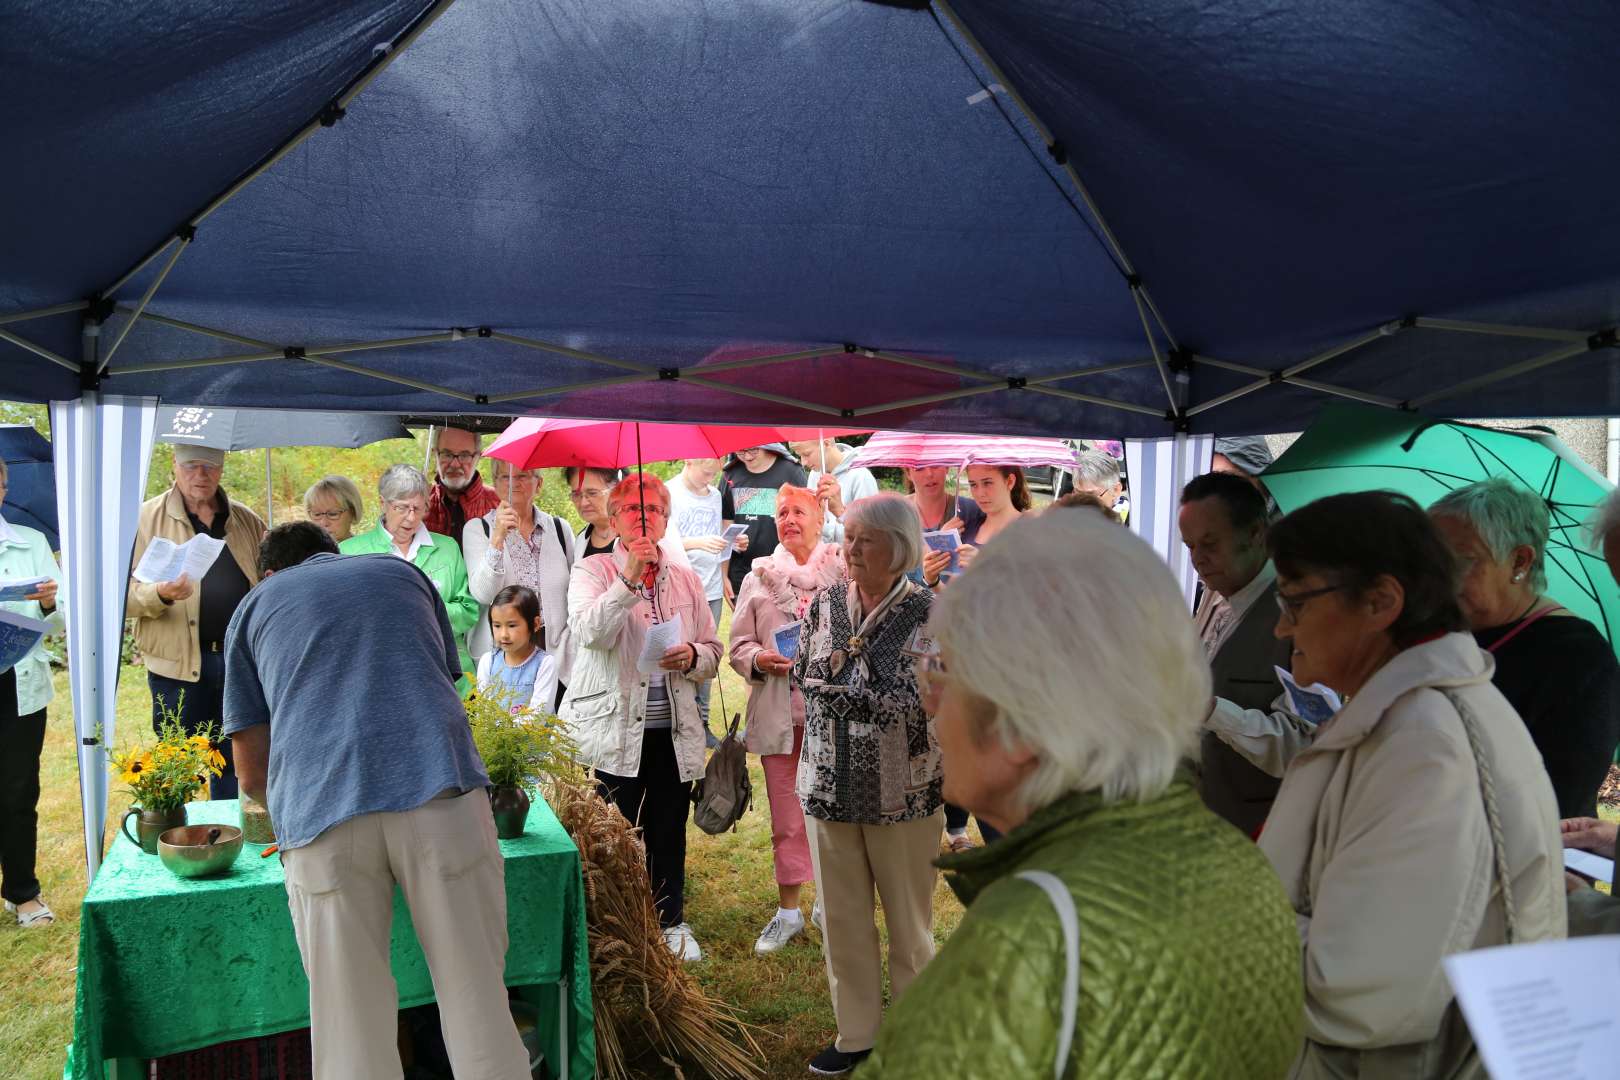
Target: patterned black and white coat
870,756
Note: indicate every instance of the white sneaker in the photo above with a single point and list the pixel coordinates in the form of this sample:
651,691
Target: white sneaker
815,916
683,943
778,932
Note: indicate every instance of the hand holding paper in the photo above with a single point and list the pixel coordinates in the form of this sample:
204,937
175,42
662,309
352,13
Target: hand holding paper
13,590
661,637
733,532
166,561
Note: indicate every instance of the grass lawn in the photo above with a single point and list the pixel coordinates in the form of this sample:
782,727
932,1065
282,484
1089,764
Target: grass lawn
730,896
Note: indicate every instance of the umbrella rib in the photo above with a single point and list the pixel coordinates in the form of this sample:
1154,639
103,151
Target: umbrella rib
1429,472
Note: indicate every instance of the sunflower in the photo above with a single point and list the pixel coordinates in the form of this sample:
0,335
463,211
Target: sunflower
135,767
216,761
201,742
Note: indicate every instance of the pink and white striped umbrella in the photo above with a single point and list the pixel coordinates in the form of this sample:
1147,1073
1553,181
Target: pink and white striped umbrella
922,450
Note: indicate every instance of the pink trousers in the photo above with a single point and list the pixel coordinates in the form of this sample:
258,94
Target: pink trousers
789,847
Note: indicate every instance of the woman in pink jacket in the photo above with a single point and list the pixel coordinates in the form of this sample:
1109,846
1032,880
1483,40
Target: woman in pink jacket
774,595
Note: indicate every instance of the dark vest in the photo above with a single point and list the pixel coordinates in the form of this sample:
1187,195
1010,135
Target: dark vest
1233,788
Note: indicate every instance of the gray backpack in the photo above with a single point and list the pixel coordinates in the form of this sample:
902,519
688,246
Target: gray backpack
725,792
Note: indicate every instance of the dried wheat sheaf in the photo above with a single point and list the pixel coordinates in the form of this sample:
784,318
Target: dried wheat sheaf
645,1002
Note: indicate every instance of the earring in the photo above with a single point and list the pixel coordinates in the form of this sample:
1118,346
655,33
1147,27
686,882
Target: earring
1517,578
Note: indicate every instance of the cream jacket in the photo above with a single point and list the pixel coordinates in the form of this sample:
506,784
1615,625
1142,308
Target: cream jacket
775,703
1380,838
606,702
166,634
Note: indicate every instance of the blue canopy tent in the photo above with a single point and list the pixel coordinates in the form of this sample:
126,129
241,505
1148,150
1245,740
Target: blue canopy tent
1024,216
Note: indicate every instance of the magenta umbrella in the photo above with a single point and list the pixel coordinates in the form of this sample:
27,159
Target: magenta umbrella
541,443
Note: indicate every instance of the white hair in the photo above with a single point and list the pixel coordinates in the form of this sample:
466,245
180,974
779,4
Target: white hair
893,514
400,482
1093,468
1506,515
1604,520
1075,632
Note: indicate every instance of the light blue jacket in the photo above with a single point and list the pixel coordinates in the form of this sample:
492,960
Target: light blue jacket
30,556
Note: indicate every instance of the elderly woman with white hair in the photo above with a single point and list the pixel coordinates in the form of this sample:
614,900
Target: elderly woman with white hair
1556,669
401,532
1068,734
869,773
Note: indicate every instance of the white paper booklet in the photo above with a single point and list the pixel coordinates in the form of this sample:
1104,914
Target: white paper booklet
165,560
18,635
1544,1011
661,637
1595,867
731,535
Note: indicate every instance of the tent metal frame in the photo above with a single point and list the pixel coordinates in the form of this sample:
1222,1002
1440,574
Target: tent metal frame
1173,363
1571,344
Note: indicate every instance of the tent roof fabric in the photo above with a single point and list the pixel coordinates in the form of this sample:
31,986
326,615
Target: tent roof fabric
621,192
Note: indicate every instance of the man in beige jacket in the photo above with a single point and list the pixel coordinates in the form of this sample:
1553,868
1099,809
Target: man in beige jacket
180,625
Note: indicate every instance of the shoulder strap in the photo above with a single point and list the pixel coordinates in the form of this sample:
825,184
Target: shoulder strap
1058,893
563,536
485,523
1493,819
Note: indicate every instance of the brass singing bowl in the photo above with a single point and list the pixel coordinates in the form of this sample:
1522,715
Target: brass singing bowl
193,851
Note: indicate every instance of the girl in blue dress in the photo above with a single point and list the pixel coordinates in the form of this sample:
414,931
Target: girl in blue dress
519,669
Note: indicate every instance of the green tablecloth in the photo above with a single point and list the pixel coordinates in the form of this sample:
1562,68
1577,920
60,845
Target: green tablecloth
168,965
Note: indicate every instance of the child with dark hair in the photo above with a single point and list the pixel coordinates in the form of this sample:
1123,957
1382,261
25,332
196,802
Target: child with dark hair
519,668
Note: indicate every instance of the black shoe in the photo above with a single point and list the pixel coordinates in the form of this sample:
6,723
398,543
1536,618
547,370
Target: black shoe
835,1062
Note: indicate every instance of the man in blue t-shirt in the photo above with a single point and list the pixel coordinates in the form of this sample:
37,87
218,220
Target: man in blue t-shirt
340,695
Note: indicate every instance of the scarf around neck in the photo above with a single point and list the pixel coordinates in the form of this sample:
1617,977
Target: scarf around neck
790,584
866,625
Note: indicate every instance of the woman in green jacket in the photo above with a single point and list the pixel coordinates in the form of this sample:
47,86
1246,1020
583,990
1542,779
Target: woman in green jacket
403,491
1065,731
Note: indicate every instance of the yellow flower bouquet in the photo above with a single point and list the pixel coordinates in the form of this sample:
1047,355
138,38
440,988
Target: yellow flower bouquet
169,774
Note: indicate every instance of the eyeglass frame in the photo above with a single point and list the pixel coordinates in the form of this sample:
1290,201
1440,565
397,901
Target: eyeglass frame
464,457
1291,604
403,508
329,515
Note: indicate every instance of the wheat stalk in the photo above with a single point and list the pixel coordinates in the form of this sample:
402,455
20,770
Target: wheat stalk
639,987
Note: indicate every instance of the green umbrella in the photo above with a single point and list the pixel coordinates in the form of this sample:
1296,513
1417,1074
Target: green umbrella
1357,448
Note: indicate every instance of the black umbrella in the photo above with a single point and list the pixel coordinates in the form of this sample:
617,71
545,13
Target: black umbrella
30,480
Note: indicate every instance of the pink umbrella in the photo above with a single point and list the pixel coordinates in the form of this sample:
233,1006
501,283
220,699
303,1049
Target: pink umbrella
535,443
922,450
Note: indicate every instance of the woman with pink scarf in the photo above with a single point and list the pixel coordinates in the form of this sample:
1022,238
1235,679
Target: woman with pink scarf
774,595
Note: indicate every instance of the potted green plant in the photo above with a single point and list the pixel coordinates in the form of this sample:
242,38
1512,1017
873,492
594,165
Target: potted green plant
519,747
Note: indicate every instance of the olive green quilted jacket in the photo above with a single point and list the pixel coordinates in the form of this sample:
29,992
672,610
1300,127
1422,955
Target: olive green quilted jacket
1189,955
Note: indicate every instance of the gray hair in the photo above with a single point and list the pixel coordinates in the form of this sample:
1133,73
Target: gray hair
1093,468
340,489
1109,705
1604,520
893,514
400,482
1506,515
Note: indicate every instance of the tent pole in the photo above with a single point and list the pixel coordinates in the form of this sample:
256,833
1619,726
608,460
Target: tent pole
1061,157
39,350
1521,368
151,290
1499,330
40,313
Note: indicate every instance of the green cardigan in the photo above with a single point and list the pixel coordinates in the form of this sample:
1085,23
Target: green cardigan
1189,956
441,561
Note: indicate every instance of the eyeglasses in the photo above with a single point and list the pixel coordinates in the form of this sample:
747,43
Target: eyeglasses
1290,604
637,509
464,457
201,466
931,675
405,509
578,494
326,515
527,476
